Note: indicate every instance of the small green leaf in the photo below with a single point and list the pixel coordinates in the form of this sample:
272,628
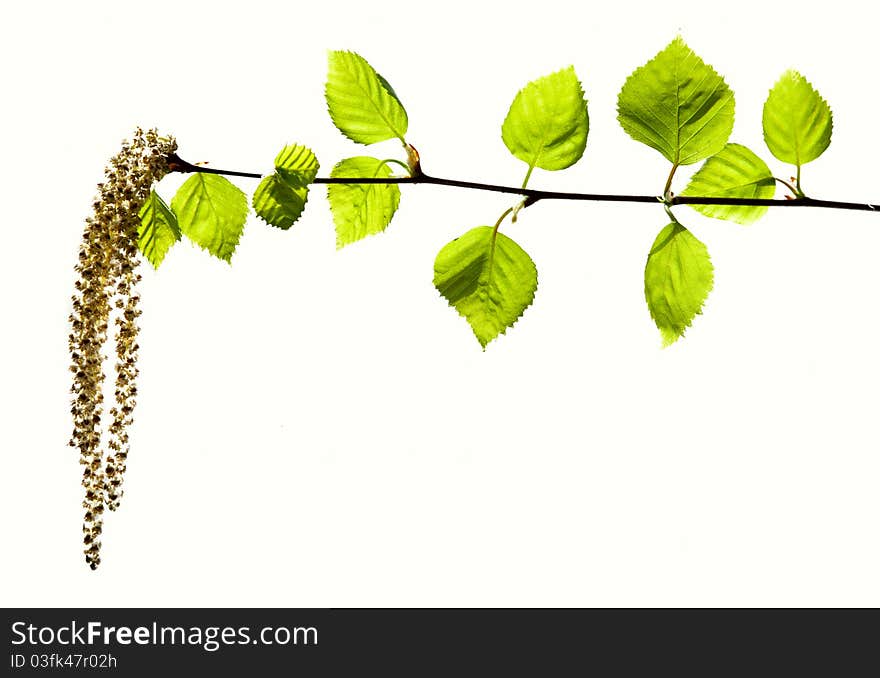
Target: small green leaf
488,279
297,165
362,104
281,197
678,105
360,210
211,212
734,172
547,123
678,278
797,121
278,203
158,230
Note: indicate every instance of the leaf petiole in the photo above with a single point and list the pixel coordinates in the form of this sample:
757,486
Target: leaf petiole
794,191
666,195
500,219
401,163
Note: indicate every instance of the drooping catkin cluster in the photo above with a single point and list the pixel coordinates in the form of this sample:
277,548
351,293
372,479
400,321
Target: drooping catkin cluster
107,270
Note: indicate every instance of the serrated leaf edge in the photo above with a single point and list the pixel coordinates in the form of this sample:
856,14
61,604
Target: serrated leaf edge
395,187
237,240
384,84
503,331
666,335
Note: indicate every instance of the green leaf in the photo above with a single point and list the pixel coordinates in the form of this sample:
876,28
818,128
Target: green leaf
797,121
278,203
677,104
360,210
281,197
211,212
488,279
362,104
547,123
678,278
297,165
158,229
734,172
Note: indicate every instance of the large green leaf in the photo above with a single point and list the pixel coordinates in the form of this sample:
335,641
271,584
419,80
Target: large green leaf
158,229
281,197
677,104
488,279
361,102
678,278
211,212
360,210
797,121
547,123
734,172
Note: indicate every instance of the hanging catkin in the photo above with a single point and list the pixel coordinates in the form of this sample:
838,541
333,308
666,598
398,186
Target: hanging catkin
107,277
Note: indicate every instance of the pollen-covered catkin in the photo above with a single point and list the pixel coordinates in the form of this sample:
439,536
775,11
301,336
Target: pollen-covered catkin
107,276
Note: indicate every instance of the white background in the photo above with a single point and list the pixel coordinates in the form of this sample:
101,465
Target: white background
318,428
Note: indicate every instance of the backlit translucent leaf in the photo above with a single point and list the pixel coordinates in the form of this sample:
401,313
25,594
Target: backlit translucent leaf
547,123
158,230
361,102
734,172
677,104
678,278
488,279
360,210
277,203
797,121
281,197
211,212
297,165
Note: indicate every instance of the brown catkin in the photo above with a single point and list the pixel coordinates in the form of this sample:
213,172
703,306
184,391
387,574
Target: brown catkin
107,276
